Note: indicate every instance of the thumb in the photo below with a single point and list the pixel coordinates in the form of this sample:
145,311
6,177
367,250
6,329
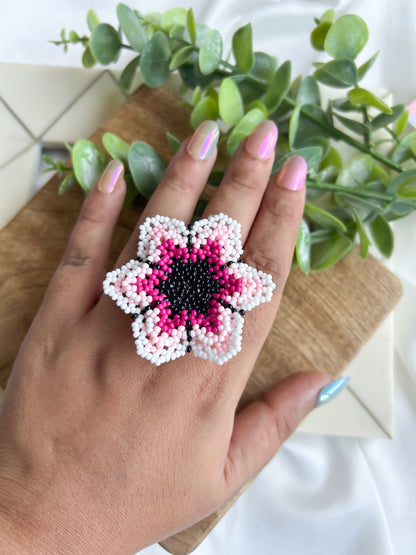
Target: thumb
262,427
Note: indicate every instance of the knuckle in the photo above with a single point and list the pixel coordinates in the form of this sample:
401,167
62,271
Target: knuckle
210,389
265,262
242,181
178,181
283,205
76,256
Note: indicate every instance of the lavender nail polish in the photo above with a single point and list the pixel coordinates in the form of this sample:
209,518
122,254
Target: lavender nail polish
292,174
111,177
204,140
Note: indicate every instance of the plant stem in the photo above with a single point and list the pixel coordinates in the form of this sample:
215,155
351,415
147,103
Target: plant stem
333,188
337,134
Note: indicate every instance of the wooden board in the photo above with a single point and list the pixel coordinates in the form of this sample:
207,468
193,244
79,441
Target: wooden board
334,312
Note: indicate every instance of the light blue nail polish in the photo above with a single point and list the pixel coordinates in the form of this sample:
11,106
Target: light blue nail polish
331,390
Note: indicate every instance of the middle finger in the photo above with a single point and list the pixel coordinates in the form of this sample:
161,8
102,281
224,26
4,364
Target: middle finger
241,190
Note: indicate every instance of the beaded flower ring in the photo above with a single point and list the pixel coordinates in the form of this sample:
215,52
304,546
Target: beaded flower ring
188,289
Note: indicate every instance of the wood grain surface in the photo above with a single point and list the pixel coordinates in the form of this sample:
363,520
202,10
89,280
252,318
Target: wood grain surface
323,321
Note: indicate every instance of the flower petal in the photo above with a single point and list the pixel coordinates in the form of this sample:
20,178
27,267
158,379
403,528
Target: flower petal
158,231
133,286
219,346
153,342
220,229
245,287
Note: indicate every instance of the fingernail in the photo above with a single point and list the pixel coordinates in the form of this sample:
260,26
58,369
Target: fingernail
203,141
331,390
262,141
292,174
111,177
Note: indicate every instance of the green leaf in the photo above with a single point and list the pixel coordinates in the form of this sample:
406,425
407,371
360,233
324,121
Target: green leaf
328,15
131,191
207,108
174,143
210,52
131,26
401,123
323,218
402,151
48,160
404,185
172,17
353,125
89,162
244,128
339,74
92,20
73,37
191,25
154,62
242,45
303,248
413,145
311,154
180,57
196,95
363,97
364,239
362,70
347,37
382,120
258,104
264,66
88,59
278,87
333,158
382,235
146,167
116,147
105,43
127,76
294,124
318,35
230,102
308,92
356,172
68,183
326,254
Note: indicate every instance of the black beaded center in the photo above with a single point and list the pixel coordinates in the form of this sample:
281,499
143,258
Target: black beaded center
190,286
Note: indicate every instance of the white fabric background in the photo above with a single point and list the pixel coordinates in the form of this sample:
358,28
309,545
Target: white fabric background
319,495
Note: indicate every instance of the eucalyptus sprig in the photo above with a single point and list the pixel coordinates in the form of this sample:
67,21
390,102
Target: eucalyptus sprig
345,201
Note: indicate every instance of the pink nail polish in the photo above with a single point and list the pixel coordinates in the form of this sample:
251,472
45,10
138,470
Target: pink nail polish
292,174
111,177
262,141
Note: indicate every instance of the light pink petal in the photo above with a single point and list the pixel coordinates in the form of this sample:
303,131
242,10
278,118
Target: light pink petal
154,344
120,285
223,344
220,229
254,287
154,232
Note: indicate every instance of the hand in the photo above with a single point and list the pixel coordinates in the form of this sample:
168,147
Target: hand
103,452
